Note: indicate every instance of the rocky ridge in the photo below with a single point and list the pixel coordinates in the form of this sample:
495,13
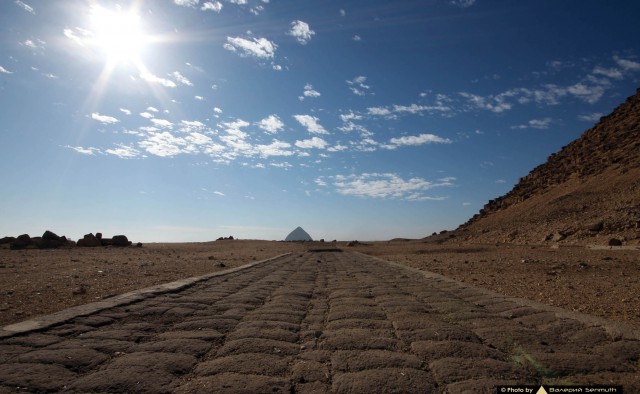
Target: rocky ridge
588,192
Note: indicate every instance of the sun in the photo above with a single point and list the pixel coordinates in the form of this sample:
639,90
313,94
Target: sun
117,33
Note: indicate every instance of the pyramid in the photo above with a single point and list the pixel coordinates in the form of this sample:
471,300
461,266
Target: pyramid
298,235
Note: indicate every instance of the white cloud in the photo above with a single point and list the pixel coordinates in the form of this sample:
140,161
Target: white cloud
239,2
608,72
162,123
123,151
153,109
189,126
198,139
181,78
379,111
256,47
149,77
462,3
146,115
627,65
212,6
343,12
356,38
276,148
419,140
541,124
309,92
37,44
311,123
104,118
301,31
186,3
357,85
163,144
594,117
25,7
271,124
315,142
219,193
589,93
383,185
84,151
5,71
125,111
350,117
497,104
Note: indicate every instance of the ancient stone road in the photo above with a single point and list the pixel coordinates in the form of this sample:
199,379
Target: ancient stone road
320,322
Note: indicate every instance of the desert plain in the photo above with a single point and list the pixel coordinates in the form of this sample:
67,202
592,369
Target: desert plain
597,280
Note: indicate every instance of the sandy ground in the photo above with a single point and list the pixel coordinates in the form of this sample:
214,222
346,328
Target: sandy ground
37,282
603,283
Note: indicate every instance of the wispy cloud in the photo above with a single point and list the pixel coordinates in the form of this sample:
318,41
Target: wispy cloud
415,140
162,123
271,124
383,185
123,151
211,6
311,123
357,85
221,194
181,78
301,31
187,3
5,71
541,124
84,151
149,77
25,7
256,47
594,117
462,3
104,118
125,111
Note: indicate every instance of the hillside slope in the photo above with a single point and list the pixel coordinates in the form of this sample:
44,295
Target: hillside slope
587,193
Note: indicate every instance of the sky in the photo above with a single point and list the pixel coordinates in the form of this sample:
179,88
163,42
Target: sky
188,120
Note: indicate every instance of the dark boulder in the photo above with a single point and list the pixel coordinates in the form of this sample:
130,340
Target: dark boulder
596,227
7,240
89,240
22,242
120,241
51,236
615,242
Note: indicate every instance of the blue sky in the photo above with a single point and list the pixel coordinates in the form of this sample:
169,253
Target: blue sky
186,120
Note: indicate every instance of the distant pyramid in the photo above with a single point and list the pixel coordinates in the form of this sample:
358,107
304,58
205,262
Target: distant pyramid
298,235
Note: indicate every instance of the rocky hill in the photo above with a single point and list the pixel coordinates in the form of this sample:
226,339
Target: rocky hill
587,193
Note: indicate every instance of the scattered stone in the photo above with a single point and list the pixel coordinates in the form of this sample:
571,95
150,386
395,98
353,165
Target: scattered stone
558,236
139,245
596,227
615,242
353,243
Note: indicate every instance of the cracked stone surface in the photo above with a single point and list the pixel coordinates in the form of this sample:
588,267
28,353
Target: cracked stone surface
320,322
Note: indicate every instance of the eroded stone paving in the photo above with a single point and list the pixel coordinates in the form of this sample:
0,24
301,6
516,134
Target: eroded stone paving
318,322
